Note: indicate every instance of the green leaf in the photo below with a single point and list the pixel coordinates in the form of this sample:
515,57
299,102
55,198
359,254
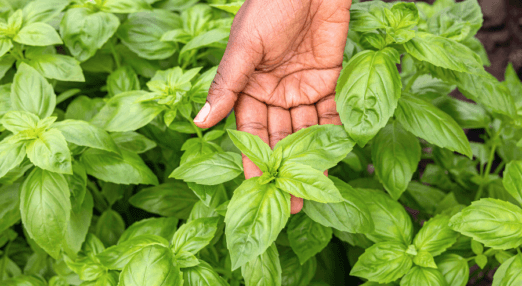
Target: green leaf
194,235
77,185
435,236
305,182
31,92
457,21
423,197
215,37
492,222
117,256
152,266
265,270
423,276
50,152
168,199
318,146
126,169
383,262
38,34
454,268
255,216
293,273
351,215
211,169
430,123
45,209
9,206
12,153
467,115
424,259
232,8
210,196
512,180
58,67
444,53
481,261
162,226
142,32
84,31
203,275
43,10
85,134
253,147
367,17
78,226
125,6
367,93
17,121
508,273
5,46
122,113
122,80
133,142
307,237
186,259
109,227
391,221
430,88
395,155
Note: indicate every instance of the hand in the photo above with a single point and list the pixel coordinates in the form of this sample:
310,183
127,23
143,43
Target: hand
280,70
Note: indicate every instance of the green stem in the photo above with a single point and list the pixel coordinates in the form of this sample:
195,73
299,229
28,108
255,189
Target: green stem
115,55
4,260
411,81
485,175
499,168
198,131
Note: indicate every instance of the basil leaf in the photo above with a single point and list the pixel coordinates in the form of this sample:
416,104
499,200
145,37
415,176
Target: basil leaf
38,34
318,146
512,180
383,262
420,196
117,256
42,10
210,196
435,236
85,134
162,227
492,222
122,80
58,67
391,221
423,276
194,235
133,142
186,259
424,259
255,216
210,169
122,113
85,31
455,18
126,169
31,92
212,38
351,215
152,266
253,147
395,155
430,88
430,123
78,226
45,209
231,8
264,270
305,182
367,17
367,93
9,206
50,152
454,268
173,198
467,115
444,53
293,273
203,275
509,272
109,227
125,6
12,153
307,237
142,31
5,46
18,121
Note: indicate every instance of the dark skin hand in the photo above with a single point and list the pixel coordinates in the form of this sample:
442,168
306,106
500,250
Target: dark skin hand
279,70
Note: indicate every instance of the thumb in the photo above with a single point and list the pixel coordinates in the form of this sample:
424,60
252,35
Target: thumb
233,73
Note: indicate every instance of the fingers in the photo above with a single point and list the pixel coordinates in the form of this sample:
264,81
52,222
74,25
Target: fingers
296,204
235,68
251,117
327,111
279,124
303,116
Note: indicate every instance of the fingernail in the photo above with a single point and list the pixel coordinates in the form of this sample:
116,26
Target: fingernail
203,113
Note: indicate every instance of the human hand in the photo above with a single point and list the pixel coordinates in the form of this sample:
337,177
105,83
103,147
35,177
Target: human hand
280,70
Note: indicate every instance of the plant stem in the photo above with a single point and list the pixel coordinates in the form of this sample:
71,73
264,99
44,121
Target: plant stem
200,135
412,81
499,167
4,260
485,175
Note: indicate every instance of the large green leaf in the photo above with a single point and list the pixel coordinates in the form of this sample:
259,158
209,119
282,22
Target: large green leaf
58,67
395,155
435,236
454,268
512,180
253,147
264,270
109,227
423,276
194,235
38,34
85,134
367,93
45,209
161,226
203,275
430,123
78,226
293,273
122,80
49,151
508,274
255,216
12,153
211,169
9,206
307,237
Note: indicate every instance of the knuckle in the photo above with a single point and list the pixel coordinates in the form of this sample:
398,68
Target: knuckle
251,127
